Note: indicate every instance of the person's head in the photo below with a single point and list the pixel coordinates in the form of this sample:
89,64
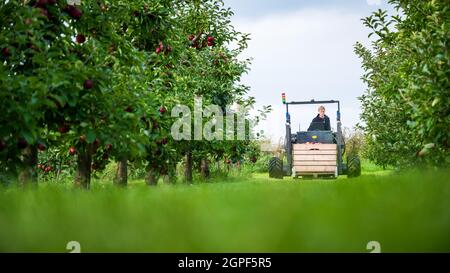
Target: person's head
321,111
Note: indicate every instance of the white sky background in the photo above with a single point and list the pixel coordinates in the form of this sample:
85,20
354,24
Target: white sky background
305,49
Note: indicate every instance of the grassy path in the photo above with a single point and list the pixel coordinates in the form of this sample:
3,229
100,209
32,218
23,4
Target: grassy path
237,214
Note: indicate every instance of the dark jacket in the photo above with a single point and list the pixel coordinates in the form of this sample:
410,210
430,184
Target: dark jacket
319,123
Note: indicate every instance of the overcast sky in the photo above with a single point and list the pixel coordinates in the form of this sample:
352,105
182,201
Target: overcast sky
305,49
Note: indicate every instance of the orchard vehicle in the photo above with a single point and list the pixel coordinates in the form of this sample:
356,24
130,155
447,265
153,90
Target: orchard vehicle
314,153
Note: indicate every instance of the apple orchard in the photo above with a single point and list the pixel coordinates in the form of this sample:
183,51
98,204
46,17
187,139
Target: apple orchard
85,85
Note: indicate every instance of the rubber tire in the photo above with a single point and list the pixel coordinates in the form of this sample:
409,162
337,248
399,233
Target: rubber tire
276,168
353,166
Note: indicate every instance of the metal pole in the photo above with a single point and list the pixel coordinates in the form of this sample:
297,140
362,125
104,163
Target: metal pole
288,144
339,139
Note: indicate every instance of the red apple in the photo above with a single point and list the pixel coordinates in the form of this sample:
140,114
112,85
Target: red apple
96,142
64,129
31,46
22,143
164,141
155,125
162,110
41,147
72,151
160,48
81,38
5,52
88,84
74,12
41,3
2,145
210,41
47,169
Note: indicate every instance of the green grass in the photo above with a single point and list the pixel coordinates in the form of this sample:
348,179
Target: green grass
405,213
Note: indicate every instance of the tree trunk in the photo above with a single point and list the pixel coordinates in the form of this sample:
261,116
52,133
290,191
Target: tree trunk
28,174
121,178
188,168
58,172
152,177
171,177
168,179
204,168
84,161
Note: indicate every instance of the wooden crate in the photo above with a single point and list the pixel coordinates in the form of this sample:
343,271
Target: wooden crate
314,159
316,146
299,170
314,163
314,152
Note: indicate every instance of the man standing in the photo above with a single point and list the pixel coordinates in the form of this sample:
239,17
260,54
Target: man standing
321,122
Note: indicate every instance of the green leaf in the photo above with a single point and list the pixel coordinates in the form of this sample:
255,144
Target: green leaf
425,69
60,99
34,100
429,146
435,101
411,123
28,137
90,136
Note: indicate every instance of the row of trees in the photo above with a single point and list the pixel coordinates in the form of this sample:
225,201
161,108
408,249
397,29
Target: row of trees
96,82
406,109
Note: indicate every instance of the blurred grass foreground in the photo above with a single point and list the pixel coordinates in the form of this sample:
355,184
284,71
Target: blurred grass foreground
241,213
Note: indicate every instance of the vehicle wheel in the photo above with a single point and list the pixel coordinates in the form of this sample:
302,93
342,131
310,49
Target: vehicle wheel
353,166
276,168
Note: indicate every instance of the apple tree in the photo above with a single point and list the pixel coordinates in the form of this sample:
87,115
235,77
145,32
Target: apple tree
406,107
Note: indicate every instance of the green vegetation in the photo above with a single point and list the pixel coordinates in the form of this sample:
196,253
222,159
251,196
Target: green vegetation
238,213
406,110
86,84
